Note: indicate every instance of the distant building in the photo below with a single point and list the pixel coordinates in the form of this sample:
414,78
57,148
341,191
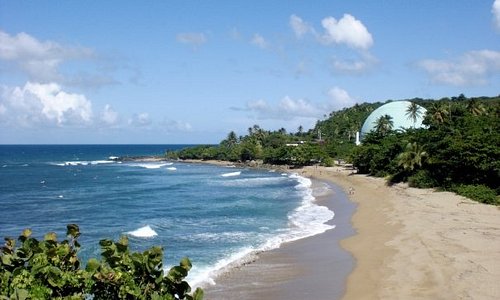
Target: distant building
398,111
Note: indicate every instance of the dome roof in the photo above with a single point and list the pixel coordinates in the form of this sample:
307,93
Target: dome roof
398,111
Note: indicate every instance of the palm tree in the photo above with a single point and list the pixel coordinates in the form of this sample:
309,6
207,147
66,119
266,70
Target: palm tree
475,108
414,112
438,113
300,130
412,157
384,124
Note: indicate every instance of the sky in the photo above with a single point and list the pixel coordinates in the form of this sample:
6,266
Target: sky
189,72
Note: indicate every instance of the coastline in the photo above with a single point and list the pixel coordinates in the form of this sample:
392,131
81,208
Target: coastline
296,269
409,244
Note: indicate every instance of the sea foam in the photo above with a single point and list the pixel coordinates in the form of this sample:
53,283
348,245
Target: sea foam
151,165
231,174
143,232
306,220
83,162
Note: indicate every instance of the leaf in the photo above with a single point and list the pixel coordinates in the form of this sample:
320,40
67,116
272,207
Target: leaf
186,264
26,233
9,245
21,294
177,273
122,244
51,236
7,260
198,294
73,230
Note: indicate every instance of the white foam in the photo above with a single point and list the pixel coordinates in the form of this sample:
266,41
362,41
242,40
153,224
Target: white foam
306,220
205,275
231,174
83,162
113,157
151,165
143,232
172,168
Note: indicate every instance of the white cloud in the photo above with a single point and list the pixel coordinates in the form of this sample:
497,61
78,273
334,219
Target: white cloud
259,41
38,104
361,64
339,98
286,109
472,68
109,116
299,27
175,126
195,39
39,60
140,120
495,9
348,30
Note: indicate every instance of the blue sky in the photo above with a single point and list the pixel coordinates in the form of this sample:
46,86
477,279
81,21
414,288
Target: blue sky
191,71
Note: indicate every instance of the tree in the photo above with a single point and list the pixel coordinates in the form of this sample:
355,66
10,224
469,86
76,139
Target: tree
412,157
437,113
414,112
475,108
384,125
300,130
231,140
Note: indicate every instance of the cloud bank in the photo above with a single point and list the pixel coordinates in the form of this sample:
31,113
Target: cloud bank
289,109
46,105
472,68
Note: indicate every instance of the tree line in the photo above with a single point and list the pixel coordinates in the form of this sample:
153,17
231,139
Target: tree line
458,148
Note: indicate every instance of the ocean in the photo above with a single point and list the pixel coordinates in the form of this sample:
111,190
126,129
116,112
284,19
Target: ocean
214,215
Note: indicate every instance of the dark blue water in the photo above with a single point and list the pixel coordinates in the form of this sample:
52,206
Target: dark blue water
212,214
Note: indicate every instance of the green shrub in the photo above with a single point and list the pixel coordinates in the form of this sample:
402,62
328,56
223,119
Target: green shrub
422,179
50,269
480,193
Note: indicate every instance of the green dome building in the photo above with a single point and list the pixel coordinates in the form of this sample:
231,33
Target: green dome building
398,110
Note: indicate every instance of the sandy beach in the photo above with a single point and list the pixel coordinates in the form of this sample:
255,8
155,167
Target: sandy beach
408,244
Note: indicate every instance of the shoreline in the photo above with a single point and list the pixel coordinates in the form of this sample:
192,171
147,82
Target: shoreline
296,267
409,244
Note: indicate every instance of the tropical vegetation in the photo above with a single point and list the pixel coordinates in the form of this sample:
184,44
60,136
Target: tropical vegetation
458,149
49,269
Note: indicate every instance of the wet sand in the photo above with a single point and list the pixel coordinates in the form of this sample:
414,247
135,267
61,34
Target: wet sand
297,269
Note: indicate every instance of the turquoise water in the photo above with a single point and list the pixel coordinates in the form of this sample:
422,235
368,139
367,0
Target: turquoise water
214,215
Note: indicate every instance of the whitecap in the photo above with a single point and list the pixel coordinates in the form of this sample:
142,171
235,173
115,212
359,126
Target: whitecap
231,174
172,168
143,232
151,165
83,163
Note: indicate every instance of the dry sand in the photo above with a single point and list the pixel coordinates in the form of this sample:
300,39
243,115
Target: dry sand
409,244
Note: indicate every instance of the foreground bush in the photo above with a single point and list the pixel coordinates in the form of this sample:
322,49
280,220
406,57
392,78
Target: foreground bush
480,193
50,269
